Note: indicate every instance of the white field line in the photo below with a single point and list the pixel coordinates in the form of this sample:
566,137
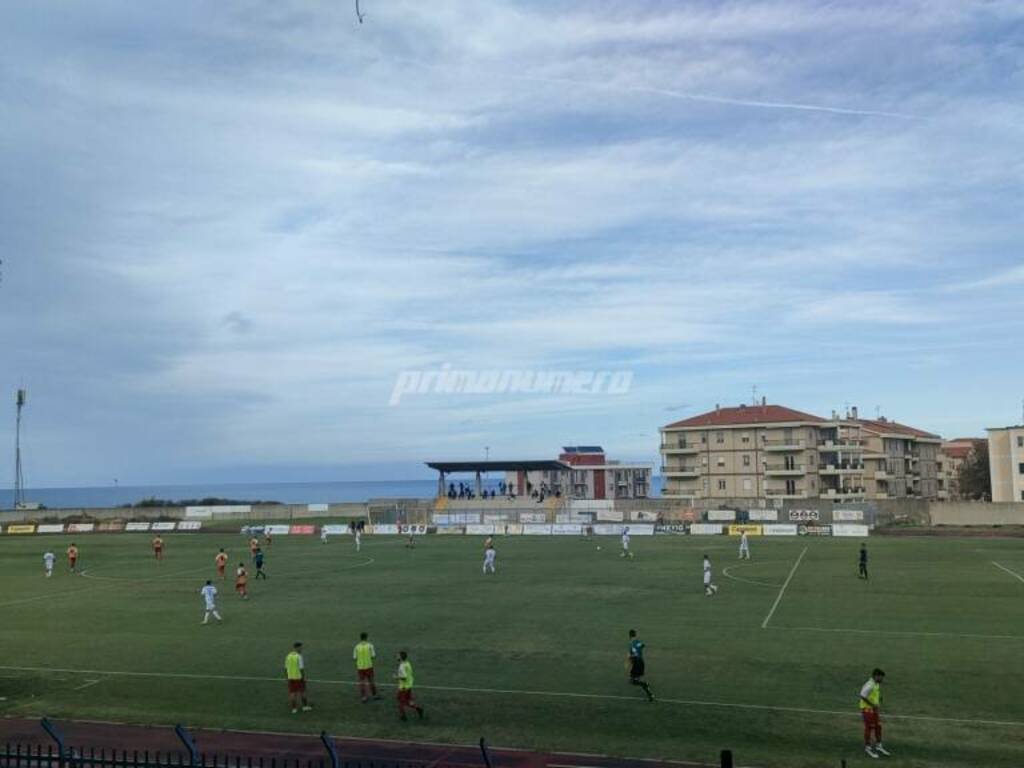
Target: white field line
518,692
725,572
1012,573
87,684
778,599
896,632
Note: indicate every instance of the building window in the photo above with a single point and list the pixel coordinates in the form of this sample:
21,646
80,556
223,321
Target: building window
1020,468
719,437
746,459
746,437
704,484
1020,441
721,485
703,438
721,461
747,484
704,460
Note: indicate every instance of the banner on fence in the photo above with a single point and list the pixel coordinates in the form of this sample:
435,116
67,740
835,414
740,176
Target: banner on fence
81,527
496,517
50,528
131,527
480,529
815,530
163,526
608,529
850,529
566,529
302,530
384,529
110,526
750,530
847,516
804,515
609,515
190,525
335,530
533,517
534,529
21,528
721,515
767,515
644,515
412,530
705,529
451,529
316,507
671,529
220,509
276,530
780,529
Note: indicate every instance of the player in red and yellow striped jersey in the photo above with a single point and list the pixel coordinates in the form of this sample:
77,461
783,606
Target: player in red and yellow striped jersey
158,548
221,560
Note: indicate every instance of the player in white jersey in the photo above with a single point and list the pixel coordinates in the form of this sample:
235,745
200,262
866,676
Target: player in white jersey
209,593
323,534
744,546
709,588
489,555
359,539
625,544
48,559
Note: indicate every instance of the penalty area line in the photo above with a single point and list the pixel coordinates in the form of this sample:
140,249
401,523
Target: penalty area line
778,598
520,692
1012,573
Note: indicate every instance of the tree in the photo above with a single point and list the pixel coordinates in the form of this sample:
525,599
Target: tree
974,478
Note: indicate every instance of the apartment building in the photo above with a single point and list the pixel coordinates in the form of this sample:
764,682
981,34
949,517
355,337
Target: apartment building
953,454
585,472
767,451
1006,462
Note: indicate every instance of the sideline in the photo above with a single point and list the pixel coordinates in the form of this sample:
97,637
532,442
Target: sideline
523,692
778,599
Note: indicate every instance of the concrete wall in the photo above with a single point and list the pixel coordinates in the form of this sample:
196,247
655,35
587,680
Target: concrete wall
976,513
258,512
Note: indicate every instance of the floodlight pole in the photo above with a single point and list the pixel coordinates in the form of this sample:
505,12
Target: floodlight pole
19,475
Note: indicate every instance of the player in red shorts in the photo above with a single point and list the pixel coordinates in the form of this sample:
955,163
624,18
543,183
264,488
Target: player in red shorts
870,709
241,580
72,556
295,670
158,548
363,655
222,561
405,679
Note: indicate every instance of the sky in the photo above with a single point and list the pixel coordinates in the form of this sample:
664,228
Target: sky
227,229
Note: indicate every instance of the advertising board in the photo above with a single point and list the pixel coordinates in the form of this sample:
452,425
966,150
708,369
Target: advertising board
136,527
765,515
705,529
721,515
850,529
780,529
750,530
847,515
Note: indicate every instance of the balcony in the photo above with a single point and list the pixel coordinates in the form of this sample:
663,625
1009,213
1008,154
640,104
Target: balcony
681,446
881,474
845,493
840,444
840,469
784,444
784,469
681,471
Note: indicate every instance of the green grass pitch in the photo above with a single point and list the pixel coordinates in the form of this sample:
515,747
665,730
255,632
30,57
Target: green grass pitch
534,657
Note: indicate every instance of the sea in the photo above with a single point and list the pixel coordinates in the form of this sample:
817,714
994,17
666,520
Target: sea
286,493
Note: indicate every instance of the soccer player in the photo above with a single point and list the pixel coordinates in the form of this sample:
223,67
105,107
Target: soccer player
209,593
862,563
323,534
636,664
241,580
709,588
359,538
254,544
410,543
222,562
267,538
744,546
72,556
405,679
870,704
625,544
158,547
363,654
489,555
48,560
258,560
295,669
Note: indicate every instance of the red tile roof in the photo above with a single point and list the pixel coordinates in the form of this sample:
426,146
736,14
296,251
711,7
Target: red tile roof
957,451
888,426
745,414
